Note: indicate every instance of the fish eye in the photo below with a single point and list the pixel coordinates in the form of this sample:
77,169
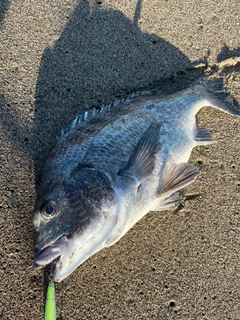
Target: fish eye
49,210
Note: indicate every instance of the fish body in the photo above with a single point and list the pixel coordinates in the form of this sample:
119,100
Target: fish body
110,168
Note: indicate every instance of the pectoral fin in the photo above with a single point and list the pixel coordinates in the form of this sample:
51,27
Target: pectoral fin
176,177
142,161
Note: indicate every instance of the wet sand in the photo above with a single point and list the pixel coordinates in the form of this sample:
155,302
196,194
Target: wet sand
59,58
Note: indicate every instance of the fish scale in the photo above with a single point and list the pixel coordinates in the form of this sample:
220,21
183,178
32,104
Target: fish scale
111,167
110,149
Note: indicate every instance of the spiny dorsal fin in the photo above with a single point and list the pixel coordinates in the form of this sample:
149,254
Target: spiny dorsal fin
93,111
142,160
176,177
81,117
86,116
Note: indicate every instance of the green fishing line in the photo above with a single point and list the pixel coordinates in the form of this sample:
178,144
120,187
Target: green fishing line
50,308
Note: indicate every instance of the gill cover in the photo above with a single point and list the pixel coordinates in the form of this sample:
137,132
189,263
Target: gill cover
78,223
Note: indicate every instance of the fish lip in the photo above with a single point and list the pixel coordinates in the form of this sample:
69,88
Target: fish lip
51,252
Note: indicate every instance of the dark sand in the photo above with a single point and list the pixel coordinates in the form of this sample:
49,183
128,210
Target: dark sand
61,57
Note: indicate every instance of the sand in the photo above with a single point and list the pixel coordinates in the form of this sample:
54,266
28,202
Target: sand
61,57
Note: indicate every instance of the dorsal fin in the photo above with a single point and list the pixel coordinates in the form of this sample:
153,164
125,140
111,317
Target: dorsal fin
104,108
86,116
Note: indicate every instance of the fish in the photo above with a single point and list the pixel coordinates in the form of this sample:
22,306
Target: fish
112,166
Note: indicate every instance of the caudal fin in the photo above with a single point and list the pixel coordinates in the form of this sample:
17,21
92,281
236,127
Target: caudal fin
218,97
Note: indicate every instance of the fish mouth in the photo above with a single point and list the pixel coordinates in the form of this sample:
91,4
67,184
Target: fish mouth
50,253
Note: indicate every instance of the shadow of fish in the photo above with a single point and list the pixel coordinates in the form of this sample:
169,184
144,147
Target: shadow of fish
111,167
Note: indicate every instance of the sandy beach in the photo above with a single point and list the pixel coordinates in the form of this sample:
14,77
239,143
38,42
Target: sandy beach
59,58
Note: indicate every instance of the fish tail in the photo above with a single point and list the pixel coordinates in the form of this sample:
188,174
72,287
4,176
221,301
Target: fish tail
218,97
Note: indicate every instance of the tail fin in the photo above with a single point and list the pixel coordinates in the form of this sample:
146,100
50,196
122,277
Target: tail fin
218,97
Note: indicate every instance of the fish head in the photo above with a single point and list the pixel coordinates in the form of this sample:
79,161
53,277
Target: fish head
72,220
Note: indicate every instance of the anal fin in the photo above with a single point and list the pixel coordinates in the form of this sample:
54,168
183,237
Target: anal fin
176,177
203,137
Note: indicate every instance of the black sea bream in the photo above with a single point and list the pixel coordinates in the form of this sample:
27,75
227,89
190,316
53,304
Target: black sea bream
112,167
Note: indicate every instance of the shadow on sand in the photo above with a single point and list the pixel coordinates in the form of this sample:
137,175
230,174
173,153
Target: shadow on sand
101,55
3,8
